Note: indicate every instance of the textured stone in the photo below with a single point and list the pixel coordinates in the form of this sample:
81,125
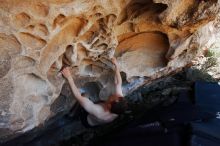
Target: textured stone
150,39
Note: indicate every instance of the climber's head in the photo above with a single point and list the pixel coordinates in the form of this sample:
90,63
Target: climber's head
118,104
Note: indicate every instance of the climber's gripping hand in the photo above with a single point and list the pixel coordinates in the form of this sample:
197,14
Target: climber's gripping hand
66,73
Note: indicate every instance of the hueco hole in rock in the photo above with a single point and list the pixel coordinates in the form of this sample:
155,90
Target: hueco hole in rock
162,48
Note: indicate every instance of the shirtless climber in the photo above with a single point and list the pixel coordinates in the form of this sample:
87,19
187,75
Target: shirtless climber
102,113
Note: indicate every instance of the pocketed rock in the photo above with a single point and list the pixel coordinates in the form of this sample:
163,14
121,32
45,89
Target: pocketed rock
150,39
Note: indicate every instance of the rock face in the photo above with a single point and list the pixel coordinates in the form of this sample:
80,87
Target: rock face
150,38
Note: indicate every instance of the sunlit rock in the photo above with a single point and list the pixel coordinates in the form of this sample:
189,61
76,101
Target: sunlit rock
150,39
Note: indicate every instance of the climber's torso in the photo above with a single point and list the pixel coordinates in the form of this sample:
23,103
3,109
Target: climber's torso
103,117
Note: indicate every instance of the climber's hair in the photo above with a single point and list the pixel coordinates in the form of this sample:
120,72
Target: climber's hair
119,106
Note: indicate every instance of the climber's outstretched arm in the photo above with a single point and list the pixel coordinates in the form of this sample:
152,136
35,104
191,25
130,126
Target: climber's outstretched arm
118,80
87,104
66,73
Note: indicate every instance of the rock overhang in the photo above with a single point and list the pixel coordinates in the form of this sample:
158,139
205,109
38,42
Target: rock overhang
149,38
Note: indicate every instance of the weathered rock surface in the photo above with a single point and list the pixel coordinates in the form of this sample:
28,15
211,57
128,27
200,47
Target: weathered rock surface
150,39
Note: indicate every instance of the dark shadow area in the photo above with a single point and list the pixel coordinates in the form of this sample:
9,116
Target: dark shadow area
174,111
137,7
92,90
182,123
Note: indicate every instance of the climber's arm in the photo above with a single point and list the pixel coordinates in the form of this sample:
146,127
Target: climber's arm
75,91
87,104
66,73
118,80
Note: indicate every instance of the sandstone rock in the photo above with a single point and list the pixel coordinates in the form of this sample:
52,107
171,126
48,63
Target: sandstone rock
150,39
146,51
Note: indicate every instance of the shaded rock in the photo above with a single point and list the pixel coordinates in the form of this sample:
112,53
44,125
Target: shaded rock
151,40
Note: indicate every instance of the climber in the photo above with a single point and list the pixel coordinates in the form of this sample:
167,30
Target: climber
104,112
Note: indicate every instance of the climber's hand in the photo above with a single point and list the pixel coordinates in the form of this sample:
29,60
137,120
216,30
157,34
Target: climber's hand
66,73
114,61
